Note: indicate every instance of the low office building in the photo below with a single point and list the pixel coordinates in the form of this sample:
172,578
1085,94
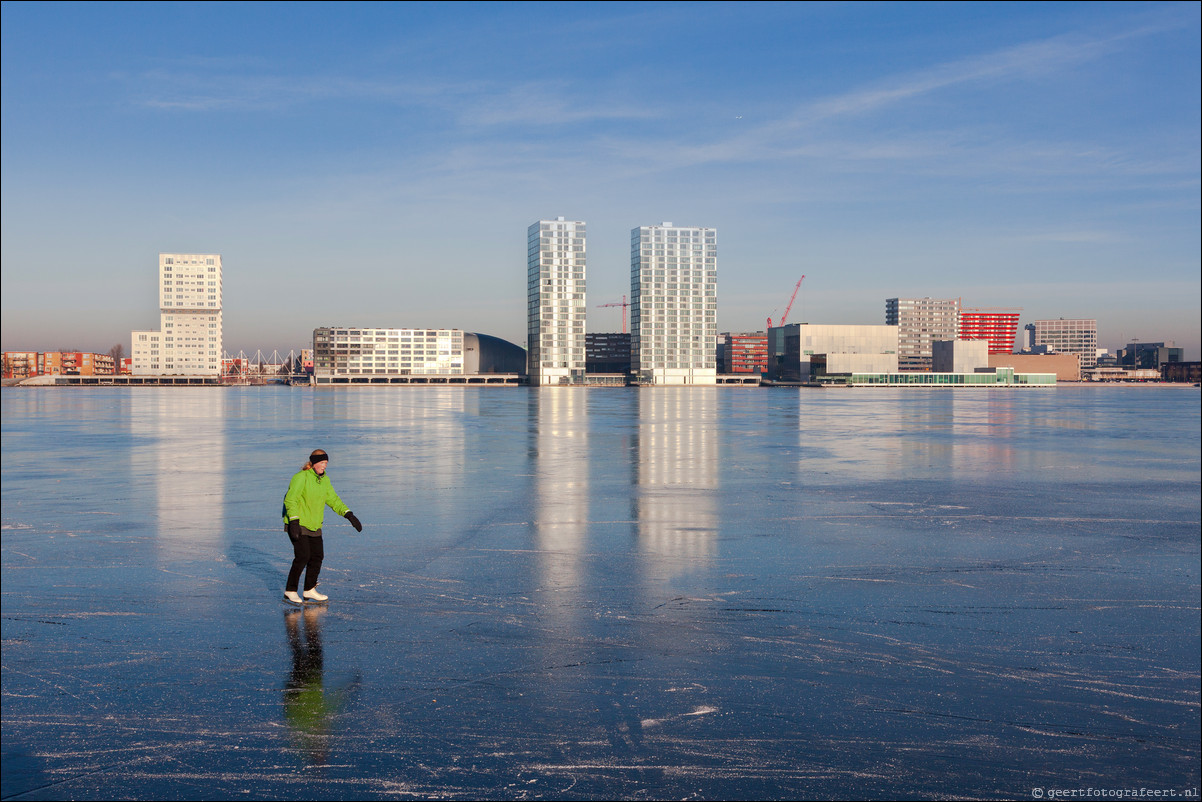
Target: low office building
1066,367
959,356
607,352
1149,356
805,352
1181,372
984,377
743,353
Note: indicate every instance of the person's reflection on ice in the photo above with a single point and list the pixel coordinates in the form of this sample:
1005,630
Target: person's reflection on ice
309,709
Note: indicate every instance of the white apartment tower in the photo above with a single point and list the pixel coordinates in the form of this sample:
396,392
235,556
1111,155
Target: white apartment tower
674,304
555,303
920,322
188,342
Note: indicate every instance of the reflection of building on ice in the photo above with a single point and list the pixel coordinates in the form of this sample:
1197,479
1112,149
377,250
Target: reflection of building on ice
562,503
179,435
677,475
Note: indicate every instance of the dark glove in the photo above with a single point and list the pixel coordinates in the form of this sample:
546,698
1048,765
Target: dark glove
350,516
293,529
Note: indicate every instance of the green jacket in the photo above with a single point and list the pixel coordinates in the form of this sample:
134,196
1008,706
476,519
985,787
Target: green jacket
307,498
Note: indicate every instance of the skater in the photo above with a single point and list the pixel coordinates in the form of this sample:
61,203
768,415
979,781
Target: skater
309,493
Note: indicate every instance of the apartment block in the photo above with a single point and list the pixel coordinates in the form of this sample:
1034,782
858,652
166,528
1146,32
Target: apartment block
360,351
920,322
674,304
189,339
556,252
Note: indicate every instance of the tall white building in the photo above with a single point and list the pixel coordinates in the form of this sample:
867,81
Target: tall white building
1077,336
674,304
188,341
920,322
555,302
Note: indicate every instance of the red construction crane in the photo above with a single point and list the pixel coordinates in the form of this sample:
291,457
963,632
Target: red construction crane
622,304
792,298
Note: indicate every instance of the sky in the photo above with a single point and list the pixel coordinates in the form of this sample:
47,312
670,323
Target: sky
378,164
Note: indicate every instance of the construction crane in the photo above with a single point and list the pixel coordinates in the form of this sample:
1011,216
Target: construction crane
792,298
622,304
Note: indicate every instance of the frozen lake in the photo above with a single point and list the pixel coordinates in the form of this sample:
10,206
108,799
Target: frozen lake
724,593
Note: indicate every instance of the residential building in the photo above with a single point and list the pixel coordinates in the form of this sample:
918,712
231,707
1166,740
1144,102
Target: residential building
20,364
189,339
26,364
999,327
674,304
364,351
1074,336
806,352
743,353
556,252
920,322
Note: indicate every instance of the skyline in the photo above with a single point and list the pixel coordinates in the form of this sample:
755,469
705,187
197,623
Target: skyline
379,164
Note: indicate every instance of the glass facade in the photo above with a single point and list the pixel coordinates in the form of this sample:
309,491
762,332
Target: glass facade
1002,377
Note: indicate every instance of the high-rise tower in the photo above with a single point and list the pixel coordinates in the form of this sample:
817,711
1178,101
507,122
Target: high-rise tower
188,342
555,302
674,304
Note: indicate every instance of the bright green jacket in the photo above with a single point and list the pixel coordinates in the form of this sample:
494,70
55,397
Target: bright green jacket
307,498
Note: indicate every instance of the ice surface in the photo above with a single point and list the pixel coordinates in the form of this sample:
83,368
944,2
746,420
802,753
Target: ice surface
725,593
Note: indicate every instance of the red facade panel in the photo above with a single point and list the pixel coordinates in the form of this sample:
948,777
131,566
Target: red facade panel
999,328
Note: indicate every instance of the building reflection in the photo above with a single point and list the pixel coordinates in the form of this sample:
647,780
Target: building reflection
677,476
405,443
179,449
561,504
911,433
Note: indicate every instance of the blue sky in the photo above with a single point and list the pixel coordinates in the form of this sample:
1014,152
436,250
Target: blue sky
378,164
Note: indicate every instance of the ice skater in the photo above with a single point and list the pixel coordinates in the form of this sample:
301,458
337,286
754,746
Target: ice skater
309,493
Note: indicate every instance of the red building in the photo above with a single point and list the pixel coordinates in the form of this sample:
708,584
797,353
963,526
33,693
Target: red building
744,353
998,326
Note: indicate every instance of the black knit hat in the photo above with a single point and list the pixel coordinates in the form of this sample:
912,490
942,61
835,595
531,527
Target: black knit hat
318,456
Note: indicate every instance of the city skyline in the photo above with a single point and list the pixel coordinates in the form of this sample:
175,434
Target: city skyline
1043,157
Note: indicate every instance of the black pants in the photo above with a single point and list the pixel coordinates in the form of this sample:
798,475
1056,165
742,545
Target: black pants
307,551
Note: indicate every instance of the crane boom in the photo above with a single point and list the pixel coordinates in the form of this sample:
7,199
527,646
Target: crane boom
790,306
622,304
792,298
